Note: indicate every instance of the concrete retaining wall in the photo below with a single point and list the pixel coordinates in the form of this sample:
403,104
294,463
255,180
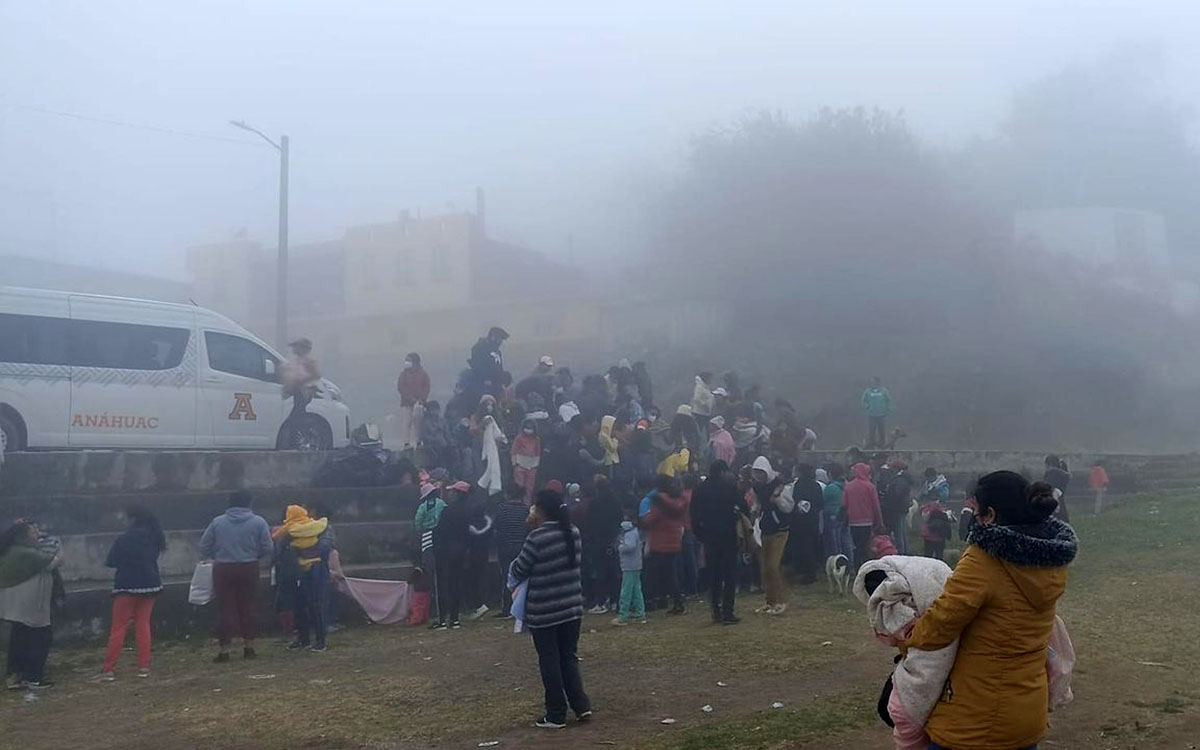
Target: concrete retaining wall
80,495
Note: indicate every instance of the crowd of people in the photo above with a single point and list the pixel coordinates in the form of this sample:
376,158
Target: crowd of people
593,502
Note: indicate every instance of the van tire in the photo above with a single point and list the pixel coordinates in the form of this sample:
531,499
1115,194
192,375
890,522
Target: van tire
308,433
12,436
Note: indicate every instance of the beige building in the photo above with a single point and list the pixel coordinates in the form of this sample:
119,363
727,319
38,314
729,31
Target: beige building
433,285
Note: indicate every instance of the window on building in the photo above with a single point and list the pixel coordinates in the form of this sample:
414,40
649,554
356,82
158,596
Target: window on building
439,263
125,346
240,356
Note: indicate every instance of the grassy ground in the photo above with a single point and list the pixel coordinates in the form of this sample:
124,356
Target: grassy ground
1129,606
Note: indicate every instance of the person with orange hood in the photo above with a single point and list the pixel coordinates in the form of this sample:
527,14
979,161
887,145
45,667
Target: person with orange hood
862,511
1000,604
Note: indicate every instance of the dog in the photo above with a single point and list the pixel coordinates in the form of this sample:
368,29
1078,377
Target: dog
837,570
914,515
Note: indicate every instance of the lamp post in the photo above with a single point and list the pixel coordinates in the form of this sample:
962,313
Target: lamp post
281,266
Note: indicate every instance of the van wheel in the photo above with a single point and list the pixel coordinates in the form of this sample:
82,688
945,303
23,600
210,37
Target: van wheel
10,434
308,433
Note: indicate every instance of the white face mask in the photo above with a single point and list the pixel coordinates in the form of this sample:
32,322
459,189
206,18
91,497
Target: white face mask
408,364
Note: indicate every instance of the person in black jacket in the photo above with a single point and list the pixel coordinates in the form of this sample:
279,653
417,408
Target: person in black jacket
716,507
450,547
894,498
805,539
135,585
487,363
1058,476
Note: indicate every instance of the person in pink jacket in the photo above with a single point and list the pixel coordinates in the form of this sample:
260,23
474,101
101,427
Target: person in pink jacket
721,441
862,511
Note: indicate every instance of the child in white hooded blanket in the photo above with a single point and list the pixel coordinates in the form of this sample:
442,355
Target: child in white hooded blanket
908,587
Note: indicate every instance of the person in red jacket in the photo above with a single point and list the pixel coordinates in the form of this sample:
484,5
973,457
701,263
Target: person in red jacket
664,527
413,385
862,511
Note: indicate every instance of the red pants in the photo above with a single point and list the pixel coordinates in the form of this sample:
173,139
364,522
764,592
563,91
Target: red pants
235,587
129,608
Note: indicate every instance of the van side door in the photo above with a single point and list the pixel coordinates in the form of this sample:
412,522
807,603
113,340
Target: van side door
133,374
240,391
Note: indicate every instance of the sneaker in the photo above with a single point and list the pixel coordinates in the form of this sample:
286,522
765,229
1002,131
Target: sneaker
585,716
248,653
320,648
778,609
224,657
456,625
764,609
730,620
102,677
438,626
37,684
12,683
483,610
599,609
143,673
641,621
294,646
619,622
502,615
546,723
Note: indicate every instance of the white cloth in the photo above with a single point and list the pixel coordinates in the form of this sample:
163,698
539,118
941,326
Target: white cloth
911,586
408,425
384,602
492,437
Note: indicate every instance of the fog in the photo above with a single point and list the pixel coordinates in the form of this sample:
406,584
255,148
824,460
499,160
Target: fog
841,182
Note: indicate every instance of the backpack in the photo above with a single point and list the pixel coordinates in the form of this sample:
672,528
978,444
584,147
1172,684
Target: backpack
939,525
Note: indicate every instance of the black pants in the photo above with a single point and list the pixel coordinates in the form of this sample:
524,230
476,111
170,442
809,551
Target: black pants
876,432
451,578
861,536
507,555
804,550
721,561
480,580
27,651
605,578
312,605
935,550
661,569
556,647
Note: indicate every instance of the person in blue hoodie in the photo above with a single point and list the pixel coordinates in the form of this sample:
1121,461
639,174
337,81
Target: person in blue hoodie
629,547
235,541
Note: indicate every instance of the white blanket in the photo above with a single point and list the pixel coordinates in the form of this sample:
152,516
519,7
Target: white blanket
911,586
492,437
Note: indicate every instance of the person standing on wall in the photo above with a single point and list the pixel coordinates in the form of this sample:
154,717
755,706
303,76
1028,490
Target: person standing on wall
877,405
413,386
235,541
300,376
135,586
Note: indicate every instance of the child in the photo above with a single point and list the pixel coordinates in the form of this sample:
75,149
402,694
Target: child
897,590
1098,482
629,547
526,456
936,525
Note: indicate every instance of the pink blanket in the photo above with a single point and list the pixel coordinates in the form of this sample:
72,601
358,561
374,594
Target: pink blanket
384,602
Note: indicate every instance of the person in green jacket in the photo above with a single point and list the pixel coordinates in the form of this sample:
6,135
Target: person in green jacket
429,514
877,405
834,531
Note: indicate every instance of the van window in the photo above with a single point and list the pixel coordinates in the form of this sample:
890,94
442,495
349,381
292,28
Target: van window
33,339
238,356
125,346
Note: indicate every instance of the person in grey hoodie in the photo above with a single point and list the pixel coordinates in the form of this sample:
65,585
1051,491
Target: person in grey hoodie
629,547
235,541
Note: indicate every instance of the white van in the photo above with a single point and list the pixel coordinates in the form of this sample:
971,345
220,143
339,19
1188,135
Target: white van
86,371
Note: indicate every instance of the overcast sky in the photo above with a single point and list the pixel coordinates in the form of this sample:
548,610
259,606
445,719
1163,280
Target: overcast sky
561,111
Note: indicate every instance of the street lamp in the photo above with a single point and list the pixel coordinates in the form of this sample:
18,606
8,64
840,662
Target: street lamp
281,280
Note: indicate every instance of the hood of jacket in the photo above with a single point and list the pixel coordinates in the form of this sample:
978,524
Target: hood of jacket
606,425
861,471
763,464
308,529
1033,556
239,515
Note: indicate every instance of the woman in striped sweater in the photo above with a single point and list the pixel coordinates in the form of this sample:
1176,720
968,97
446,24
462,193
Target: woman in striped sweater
549,561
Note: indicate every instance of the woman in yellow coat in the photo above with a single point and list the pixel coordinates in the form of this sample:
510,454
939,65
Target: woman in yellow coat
1000,603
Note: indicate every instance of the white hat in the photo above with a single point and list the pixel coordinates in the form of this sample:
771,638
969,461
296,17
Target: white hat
720,392
545,360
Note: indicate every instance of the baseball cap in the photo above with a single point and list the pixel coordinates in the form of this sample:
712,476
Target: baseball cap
546,360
